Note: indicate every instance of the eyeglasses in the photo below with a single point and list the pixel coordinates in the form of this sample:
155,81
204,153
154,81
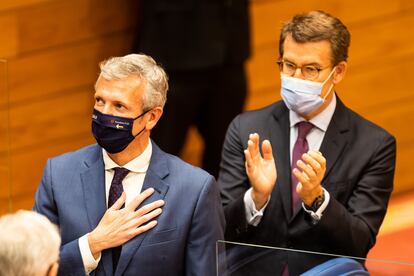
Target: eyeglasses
309,72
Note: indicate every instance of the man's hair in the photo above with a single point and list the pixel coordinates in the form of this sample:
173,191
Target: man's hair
144,67
317,26
29,244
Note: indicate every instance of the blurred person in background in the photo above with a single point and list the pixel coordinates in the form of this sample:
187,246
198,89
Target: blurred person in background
203,45
29,245
323,175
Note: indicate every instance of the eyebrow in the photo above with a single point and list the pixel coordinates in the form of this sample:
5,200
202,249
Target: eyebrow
306,64
113,102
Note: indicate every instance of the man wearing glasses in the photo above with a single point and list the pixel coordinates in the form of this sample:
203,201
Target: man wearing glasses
323,175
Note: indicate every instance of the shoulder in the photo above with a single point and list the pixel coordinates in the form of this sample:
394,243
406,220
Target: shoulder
187,172
259,114
180,176
366,127
254,118
364,134
257,120
89,153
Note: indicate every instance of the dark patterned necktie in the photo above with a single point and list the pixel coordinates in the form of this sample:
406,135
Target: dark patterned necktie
114,193
116,185
301,147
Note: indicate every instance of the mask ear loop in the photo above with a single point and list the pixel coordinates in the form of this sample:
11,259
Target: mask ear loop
330,88
143,127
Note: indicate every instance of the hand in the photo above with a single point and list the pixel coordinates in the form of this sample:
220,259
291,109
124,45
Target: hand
260,170
312,169
118,226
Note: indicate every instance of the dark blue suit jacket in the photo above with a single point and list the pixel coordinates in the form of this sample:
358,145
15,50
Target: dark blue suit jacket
360,163
72,195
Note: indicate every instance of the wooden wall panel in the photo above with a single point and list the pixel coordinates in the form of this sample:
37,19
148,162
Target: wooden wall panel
77,20
62,68
268,16
7,5
67,115
53,49
61,22
8,36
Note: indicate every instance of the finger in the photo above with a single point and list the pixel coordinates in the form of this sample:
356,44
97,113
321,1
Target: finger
249,162
139,199
307,169
149,207
312,162
267,150
147,217
318,157
144,228
119,202
299,187
301,177
253,145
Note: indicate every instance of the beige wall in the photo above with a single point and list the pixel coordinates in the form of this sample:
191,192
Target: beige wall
53,48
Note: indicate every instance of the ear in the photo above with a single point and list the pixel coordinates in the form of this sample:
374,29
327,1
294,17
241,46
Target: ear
154,115
340,71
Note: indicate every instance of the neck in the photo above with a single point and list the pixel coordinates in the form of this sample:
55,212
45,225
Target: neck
134,149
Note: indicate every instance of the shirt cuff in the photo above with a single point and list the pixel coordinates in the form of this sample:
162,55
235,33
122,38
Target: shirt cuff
253,216
316,216
89,261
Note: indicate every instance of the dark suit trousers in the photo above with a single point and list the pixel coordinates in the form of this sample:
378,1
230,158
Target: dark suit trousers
207,98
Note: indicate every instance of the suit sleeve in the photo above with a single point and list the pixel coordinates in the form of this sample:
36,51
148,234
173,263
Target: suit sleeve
357,224
233,183
207,228
70,256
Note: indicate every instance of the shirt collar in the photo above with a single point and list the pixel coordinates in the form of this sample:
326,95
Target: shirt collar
139,164
321,120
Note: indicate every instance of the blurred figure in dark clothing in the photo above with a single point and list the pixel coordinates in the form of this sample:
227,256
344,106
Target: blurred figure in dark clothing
203,45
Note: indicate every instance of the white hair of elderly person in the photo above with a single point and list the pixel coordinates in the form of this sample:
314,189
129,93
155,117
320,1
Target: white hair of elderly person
29,245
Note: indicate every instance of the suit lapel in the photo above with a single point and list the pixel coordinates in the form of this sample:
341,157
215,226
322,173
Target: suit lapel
157,171
336,137
93,183
280,140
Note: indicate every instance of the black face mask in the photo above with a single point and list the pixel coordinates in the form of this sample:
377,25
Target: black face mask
113,133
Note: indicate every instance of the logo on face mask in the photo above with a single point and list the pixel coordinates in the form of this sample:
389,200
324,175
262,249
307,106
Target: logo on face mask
303,96
113,133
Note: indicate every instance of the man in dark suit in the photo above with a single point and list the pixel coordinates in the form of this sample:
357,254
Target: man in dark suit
93,194
203,45
323,176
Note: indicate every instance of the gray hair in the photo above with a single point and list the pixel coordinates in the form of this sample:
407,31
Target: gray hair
143,66
317,26
29,244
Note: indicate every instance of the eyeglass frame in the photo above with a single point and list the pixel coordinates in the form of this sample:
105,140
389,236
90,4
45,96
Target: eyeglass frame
318,69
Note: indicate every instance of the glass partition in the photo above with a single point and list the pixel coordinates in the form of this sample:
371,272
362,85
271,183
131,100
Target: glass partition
5,182
238,259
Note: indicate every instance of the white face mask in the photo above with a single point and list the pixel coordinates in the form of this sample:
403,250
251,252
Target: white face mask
303,96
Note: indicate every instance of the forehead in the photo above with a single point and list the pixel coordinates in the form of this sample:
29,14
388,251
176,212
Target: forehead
307,53
128,89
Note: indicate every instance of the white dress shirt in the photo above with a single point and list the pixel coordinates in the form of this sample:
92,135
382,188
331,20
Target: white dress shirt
314,138
132,184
